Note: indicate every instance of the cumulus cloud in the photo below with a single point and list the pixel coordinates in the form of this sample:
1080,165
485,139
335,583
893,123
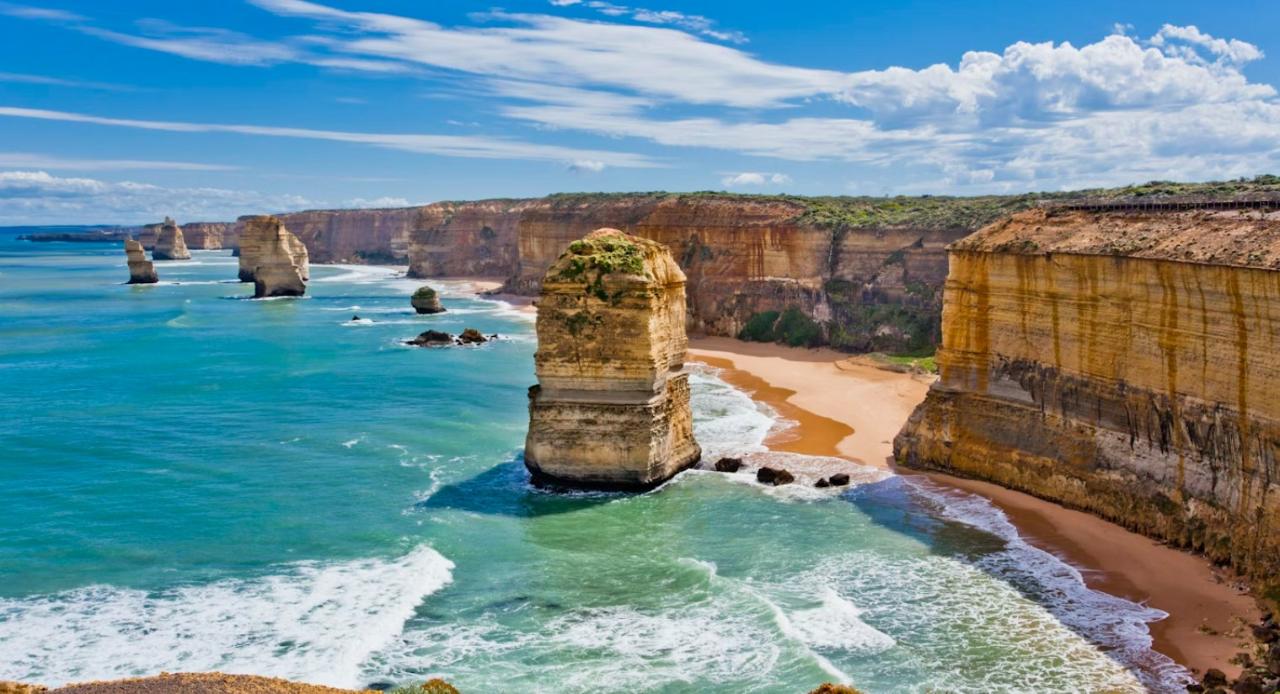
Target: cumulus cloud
754,178
39,197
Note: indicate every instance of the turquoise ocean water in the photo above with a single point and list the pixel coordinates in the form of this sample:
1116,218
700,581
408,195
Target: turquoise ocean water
191,480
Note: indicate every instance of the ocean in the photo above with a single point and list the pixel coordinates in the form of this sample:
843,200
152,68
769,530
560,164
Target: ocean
192,480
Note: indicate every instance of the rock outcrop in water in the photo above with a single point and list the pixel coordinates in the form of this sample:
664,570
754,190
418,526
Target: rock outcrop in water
1123,362
170,244
426,301
272,258
611,408
141,270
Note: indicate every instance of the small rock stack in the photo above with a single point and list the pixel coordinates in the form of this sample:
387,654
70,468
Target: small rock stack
141,270
170,245
611,408
426,301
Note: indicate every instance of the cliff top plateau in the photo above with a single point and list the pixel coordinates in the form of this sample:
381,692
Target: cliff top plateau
1241,238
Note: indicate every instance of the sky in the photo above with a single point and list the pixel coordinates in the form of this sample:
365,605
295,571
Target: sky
130,110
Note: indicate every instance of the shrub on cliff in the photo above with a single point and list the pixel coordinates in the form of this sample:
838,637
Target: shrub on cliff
791,327
759,327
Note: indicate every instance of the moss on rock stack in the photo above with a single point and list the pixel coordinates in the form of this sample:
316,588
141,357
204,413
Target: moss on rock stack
170,244
1120,362
611,408
141,270
426,301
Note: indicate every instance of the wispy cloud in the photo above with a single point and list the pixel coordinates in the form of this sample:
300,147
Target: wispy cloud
55,163
20,78
43,13
444,145
695,23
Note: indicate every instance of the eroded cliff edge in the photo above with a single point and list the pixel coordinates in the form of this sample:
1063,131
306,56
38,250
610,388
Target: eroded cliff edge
1122,362
867,273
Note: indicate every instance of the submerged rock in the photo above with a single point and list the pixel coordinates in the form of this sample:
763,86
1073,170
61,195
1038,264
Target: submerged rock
611,408
774,476
431,338
426,301
471,336
728,464
272,258
170,244
141,270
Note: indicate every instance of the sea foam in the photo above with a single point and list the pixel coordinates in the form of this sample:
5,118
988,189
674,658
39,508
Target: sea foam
310,621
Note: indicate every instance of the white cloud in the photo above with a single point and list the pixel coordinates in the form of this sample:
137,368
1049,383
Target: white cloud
44,13
755,178
695,23
444,145
38,197
21,78
384,201
44,161
587,166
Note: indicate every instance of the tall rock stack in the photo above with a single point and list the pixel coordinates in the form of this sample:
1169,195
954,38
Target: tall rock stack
611,408
170,245
272,258
141,271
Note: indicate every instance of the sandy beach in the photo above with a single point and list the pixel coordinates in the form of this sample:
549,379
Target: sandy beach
851,409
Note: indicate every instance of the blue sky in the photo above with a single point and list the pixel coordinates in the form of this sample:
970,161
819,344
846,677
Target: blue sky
125,111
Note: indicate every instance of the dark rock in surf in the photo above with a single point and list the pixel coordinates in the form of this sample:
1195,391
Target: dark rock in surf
774,476
431,338
728,464
839,479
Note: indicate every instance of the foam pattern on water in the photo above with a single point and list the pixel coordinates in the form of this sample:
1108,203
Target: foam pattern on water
314,622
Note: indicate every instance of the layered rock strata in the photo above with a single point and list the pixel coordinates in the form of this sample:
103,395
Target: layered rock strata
1121,362
378,236
170,243
272,258
141,270
210,236
874,285
611,408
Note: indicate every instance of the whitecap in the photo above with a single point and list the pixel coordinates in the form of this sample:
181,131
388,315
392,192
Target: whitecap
309,621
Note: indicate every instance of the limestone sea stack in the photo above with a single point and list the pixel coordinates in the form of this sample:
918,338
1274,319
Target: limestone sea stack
141,271
170,245
426,301
264,240
611,408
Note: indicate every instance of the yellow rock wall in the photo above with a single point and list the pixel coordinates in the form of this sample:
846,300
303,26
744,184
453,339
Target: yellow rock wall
1144,389
611,408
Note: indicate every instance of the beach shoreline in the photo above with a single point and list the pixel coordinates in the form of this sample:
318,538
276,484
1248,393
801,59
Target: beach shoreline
846,407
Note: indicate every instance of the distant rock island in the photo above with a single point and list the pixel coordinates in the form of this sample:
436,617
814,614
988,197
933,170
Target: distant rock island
611,408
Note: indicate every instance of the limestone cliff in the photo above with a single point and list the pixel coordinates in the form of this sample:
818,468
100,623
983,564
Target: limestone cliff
871,271
272,258
1123,362
210,236
141,270
611,408
170,243
354,236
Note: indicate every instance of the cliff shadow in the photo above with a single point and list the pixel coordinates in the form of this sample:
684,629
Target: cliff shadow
966,527
506,489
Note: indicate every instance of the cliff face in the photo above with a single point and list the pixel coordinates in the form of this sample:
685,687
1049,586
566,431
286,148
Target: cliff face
170,243
879,285
210,235
611,408
354,236
1123,363
141,270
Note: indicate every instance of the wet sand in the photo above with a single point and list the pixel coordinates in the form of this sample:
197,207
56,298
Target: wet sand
853,410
